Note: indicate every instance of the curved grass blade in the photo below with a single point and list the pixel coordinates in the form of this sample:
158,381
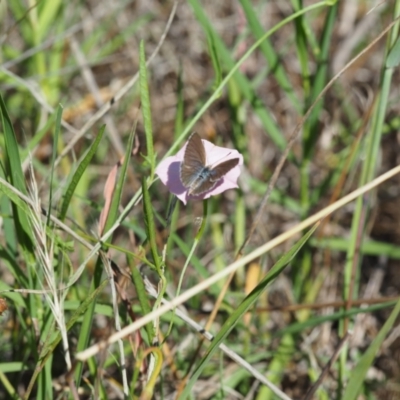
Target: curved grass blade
235,317
78,174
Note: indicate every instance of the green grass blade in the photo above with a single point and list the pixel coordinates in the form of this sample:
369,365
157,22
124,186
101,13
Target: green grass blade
10,240
212,48
393,59
359,373
245,87
116,198
311,128
117,42
16,178
234,318
368,247
146,110
278,365
306,29
48,12
299,327
180,109
270,55
302,51
54,156
17,272
150,227
13,162
240,221
38,137
319,82
16,200
137,281
84,163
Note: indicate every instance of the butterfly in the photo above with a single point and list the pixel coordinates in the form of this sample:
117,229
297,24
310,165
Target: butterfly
195,174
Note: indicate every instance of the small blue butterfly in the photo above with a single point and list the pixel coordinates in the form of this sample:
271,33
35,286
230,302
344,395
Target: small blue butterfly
195,174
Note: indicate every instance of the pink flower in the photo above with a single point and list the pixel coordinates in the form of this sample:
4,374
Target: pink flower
169,171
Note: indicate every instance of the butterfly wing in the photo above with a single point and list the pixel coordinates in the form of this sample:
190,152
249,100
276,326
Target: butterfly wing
194,160
212,176
222,169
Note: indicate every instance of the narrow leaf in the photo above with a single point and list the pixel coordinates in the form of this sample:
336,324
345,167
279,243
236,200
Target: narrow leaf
141,293
53,160
16,178
150,227
78,174
212,48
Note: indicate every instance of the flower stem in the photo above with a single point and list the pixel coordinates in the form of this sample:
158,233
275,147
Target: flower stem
192,250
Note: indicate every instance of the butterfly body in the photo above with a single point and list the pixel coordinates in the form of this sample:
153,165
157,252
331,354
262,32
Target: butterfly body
195,174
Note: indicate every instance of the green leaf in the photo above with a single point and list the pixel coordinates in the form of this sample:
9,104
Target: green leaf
78,174
16,178
235,317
